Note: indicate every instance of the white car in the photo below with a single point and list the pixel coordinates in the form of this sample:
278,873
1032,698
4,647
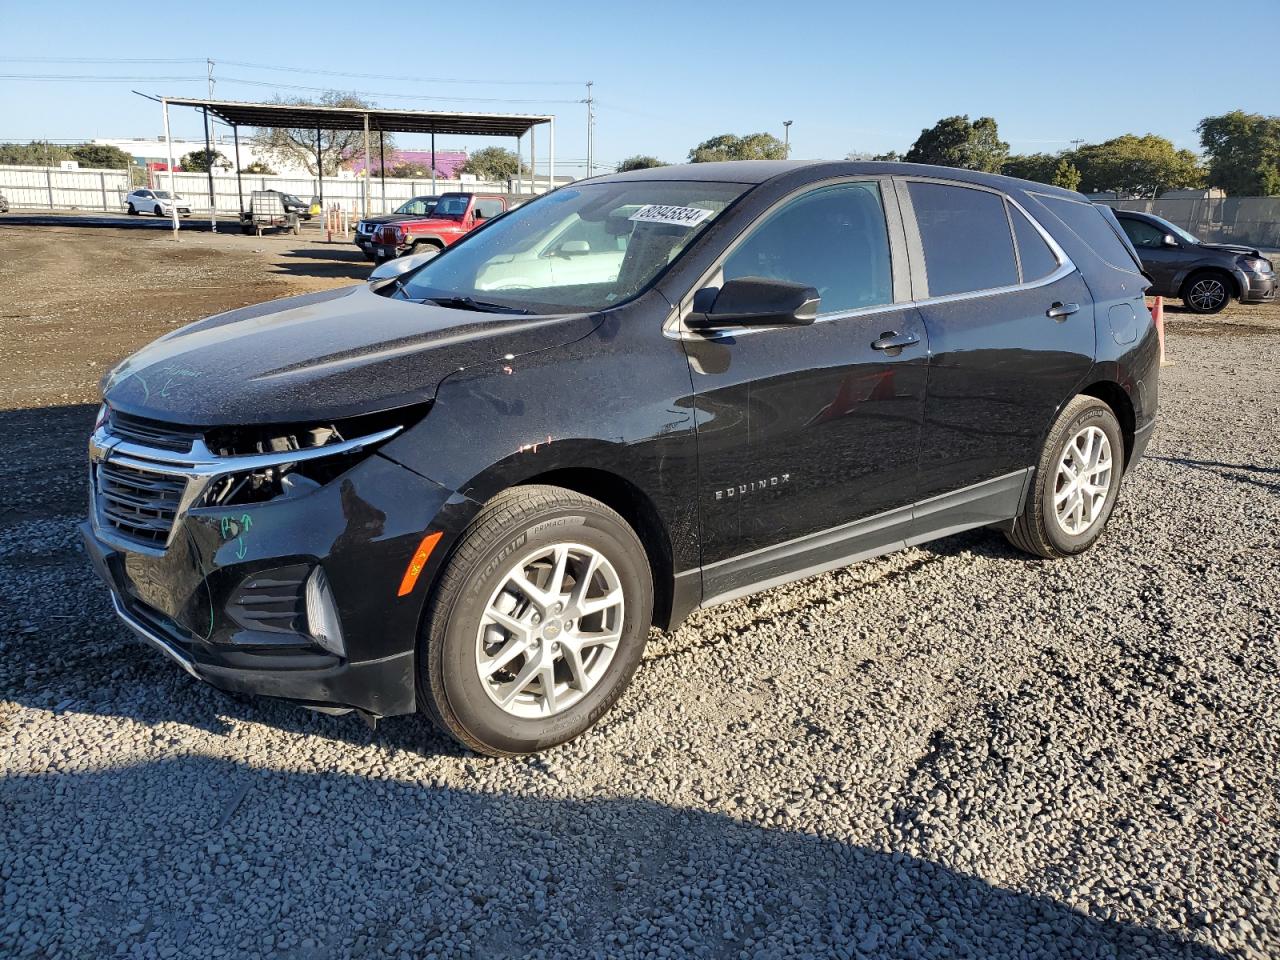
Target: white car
159,202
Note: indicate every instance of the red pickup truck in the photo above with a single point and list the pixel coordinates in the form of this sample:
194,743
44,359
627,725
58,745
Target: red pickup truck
455,214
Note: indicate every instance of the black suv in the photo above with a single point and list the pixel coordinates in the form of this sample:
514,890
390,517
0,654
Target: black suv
1205,275
472,485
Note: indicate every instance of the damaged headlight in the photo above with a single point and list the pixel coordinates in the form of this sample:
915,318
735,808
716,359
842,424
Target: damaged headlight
292,460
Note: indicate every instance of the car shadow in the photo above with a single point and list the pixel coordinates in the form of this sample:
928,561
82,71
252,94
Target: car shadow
325,261
1237,472
264,858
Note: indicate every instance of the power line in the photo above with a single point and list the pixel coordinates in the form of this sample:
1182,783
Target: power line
101,59
384,94
94,78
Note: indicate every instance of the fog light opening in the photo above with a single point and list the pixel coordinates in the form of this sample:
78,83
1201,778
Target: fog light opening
322,614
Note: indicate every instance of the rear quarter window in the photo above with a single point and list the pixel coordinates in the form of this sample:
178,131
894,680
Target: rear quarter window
1089,224
965,236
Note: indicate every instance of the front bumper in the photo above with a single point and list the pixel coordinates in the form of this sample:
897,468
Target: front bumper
188,600
1256,287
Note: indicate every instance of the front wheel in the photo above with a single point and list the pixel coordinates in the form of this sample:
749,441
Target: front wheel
132,210
1207,292
1075,484
538,622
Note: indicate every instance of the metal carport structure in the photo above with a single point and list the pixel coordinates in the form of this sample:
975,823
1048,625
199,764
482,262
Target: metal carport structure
237,114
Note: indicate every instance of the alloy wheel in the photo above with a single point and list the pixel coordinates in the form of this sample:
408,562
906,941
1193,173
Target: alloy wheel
1083,480
550,630
1207,294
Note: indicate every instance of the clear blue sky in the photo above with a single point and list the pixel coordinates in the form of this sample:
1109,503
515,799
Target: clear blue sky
852,77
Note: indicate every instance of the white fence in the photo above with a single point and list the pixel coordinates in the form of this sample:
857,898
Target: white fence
50,188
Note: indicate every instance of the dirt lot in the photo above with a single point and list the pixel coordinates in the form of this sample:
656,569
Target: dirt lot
953,751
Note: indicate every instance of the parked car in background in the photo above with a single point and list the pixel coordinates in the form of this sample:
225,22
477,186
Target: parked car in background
436,493
409,210
1207,276
292,204
454,215
4,203
159,202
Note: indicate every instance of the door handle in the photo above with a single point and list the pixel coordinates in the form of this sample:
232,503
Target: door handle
892,340
1060,310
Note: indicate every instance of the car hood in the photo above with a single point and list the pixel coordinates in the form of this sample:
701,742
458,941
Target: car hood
390,218
320,356
1232,248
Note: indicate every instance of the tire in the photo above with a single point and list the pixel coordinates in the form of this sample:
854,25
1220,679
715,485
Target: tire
1207,291
516,528
133,211
158,210
1041,529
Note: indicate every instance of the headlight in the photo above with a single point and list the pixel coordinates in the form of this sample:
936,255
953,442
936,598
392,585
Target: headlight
1257,264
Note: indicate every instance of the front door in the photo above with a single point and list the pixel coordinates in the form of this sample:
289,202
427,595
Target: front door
1011,331
805,431
1162,263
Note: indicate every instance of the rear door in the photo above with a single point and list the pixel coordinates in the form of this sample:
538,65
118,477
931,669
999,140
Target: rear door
1162,263
1011,332
806,433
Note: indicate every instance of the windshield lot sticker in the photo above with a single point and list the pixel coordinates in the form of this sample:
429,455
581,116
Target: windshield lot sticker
662,213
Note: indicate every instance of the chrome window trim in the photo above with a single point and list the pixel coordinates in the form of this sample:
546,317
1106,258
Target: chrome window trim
199,467
675,329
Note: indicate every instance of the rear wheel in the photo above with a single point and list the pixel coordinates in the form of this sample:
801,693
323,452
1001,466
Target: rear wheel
1075,484
1207,291
538,622
133,211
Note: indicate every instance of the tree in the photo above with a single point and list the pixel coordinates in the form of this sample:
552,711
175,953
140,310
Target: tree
1136,166
101,155
1066,175
259,168
1031,166
893,156
33,154
1243,150
199,161
755,146
288,146
409,170
494,164
639,162
955,142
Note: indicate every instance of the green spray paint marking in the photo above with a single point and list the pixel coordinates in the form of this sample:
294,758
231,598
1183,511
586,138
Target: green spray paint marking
232,526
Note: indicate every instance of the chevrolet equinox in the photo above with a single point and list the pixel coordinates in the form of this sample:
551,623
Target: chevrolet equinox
471,486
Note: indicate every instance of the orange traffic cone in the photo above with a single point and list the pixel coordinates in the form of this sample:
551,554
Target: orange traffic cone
1157,315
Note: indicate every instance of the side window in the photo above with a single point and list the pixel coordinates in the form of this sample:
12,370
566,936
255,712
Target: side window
833,239
966,239
1033,253
1089,224
415,208
1142,234
487,207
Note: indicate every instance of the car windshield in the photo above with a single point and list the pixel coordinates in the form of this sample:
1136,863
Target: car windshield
451,208
417,206
1173,228
576,249
162,194
290,198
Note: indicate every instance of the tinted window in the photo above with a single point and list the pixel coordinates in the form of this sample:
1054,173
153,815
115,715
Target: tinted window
488,207
833,239
1142,234
966,239
1088,223
1036,257
452,207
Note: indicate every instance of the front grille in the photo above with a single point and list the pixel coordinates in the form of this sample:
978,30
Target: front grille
138,504
272,600
151,433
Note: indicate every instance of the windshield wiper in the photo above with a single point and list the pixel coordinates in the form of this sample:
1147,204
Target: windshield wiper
470,303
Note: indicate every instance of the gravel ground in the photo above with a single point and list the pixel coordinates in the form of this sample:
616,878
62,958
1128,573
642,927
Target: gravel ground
953,751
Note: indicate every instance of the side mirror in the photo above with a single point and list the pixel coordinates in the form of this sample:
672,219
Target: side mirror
395,267
1169,240
757,302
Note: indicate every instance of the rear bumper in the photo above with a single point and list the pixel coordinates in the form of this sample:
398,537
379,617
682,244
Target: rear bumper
188,601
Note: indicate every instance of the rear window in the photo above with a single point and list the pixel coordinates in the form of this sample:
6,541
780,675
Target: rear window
966,239
1037,259
1089,224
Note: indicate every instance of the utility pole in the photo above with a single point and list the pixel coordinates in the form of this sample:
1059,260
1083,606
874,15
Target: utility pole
591,123
208,156
1075,145
786,137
